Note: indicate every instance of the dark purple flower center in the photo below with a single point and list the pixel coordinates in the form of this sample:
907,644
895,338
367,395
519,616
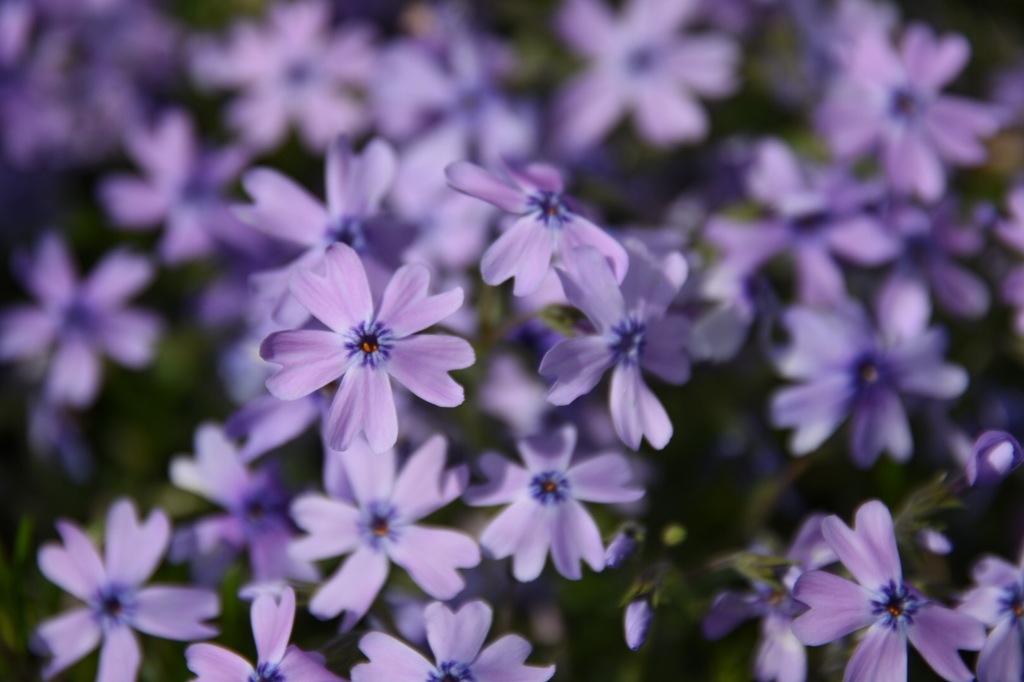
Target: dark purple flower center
810,223
549,487
550,209
370,344
300,72
265,508
267,672
79,318
1012,602
113,605
349,231
897,605
628,340
868,372
641,60
451,671
378,524
905,105
197,188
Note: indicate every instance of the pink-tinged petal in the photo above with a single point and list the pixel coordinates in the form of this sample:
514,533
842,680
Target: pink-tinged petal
506,482
74,377
937,633
390,661
603,478
421,364
129,336
913,167
473,180
176,612
636,411
272,625
217,664
51,275
580,233
503,661
868,550
332,526
432,556
419,488
879,423
457,636
666,115
587,109
505,532
119,276
881,656
300,665
706,64
67,638
816,409
1002,658
76,567
837,608
133,202
377,166
524,252
352,589
342,299
371,474
577,365
309,358
665,354
120,656
549,451
591,285
406,308
25,332
932,63
587,26
217,472
134,549
575,536
282,208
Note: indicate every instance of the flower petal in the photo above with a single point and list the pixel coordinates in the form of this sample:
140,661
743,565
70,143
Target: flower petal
353,588
176,612
390,660
341,299
524,252
421,364
431,557
406,308
282,208
459,635
503,659
837,608
473,180
880,657
1001,658
272,625
938,632
575,536
133,549
506,481
217,664
332,526
120,656
74,374
420,486
309,358
603,478
869,549
75,567
636,412
68,638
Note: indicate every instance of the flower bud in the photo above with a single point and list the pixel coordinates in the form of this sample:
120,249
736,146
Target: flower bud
623,546
639,615
995,454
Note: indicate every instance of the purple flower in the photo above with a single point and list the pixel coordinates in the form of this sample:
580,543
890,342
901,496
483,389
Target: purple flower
641,63
266,422
892,610
637,621
548,226
994,456
116,603
80,319
456,639
292,69
631,331
256,503
847,369
365,345
998,602
378,526
892,100
277,660
544,509
182,187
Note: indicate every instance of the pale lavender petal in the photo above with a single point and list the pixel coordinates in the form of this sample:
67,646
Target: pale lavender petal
406,308
536,177
958,290
666,114
904,306
217,472
332,526
506,481
390,661
133,202
419,488
176,612
377,166
580,233
603,478
868,550
217,664
371,475
272,625
933,62
816,409
665,353
575,536
636,411
260,119
67,638
457,636
549,451
309,358
74,374
913,167
881,656
938,632
956,123
706,63
282,208
637,622
503,661
431,557
342,299
879,423
781,656
1001,658
25,332
863,240
473,180
380,418
819,278
995,571
51,276
920,372
267,423
421,364
837,608
524,252
587,109
727,611
653,280
134,549
119,276
503,534
592,287
299,665
353,588
532,548
129,336
587,26
577,365
120,656
76,567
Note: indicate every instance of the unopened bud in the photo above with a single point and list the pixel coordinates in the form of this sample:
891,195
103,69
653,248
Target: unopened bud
994,455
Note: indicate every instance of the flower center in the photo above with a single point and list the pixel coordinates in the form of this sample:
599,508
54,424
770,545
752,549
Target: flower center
451,671
113,605
378,524
370,345
267,672
641,59
1013,601
628,340
550,209
549,487
905,105
350,231
897,605
300,72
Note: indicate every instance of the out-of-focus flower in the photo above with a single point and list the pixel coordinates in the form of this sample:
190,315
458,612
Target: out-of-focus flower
637,621
623,546
277,661
456,639
632,331
997,600
256,503
116,603
80,318
994,456
182,188
642,64
548,226
848,369
892,610
544,509
892,101
266,422
293,69
365,345
378,525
